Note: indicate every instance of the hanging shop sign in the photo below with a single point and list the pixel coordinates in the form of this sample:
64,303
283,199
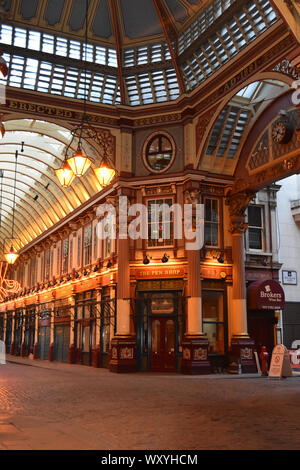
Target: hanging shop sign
265,295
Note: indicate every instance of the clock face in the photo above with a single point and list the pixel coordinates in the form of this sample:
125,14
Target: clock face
281,133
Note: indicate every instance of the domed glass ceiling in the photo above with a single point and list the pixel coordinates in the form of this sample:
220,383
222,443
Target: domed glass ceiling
139,52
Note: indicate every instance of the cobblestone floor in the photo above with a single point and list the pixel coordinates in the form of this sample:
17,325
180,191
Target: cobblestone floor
58,406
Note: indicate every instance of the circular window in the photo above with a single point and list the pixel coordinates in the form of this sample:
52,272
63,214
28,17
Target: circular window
159,152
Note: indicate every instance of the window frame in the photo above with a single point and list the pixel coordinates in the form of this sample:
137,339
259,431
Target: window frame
160,198
262,230
218,223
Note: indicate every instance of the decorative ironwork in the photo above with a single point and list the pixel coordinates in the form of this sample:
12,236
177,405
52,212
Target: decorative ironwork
7,286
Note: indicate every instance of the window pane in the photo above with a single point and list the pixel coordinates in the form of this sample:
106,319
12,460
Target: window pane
255,238
213,320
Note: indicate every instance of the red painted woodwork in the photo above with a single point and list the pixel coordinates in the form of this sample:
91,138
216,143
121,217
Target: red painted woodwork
162,358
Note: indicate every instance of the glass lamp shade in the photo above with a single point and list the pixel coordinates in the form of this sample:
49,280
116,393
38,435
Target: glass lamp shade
79,162
104,173
11,256
65,175
2,130
3,68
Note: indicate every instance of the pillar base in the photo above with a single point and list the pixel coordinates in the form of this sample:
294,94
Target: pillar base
123,354
96,356
242,351
23,350
12,349
195,355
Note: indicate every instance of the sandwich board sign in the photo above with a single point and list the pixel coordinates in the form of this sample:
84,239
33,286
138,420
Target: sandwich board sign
2,353
280,362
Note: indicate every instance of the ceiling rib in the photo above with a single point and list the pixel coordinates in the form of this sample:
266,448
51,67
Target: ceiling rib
118,44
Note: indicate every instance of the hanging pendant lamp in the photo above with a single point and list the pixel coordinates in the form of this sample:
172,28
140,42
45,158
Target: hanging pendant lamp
79,162
104,173
65,175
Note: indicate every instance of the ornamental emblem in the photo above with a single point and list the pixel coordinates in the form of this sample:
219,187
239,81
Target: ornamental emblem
246,353
200,354
114,353
7,286
186,354
126,353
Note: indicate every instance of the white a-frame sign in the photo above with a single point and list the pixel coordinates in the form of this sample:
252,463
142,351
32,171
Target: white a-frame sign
280,363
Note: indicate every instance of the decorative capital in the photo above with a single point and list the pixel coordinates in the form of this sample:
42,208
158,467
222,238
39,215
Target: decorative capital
192,197
238,203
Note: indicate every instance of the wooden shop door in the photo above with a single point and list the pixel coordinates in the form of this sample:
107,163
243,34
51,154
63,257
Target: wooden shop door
261,330
162,357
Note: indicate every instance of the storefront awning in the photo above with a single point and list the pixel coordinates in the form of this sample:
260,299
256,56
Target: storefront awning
265,295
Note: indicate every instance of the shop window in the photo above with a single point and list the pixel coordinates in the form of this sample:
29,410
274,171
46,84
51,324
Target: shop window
255,227
159,151
47,265
108,236
211,227
162,303
65,256
160,223
79,250
58,261
213,320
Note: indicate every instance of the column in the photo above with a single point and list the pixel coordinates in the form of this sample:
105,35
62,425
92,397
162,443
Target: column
35,350
12,344
52,320
241,344
195,344
24,315
123,345
72,346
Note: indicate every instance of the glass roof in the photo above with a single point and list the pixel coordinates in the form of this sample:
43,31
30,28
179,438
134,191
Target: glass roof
235,118
146,52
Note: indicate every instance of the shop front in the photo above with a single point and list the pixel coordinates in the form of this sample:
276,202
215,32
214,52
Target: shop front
2,325
159,325
29,331
8,331
44,334
61,336
85,326
264,299
214,314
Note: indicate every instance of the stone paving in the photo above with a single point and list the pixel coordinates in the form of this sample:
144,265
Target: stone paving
55,406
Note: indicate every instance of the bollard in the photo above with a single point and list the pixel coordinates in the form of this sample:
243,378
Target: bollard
264,359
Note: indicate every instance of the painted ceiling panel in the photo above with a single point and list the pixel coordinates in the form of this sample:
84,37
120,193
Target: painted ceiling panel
140,18
28,8
102,25
54,11
77,17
